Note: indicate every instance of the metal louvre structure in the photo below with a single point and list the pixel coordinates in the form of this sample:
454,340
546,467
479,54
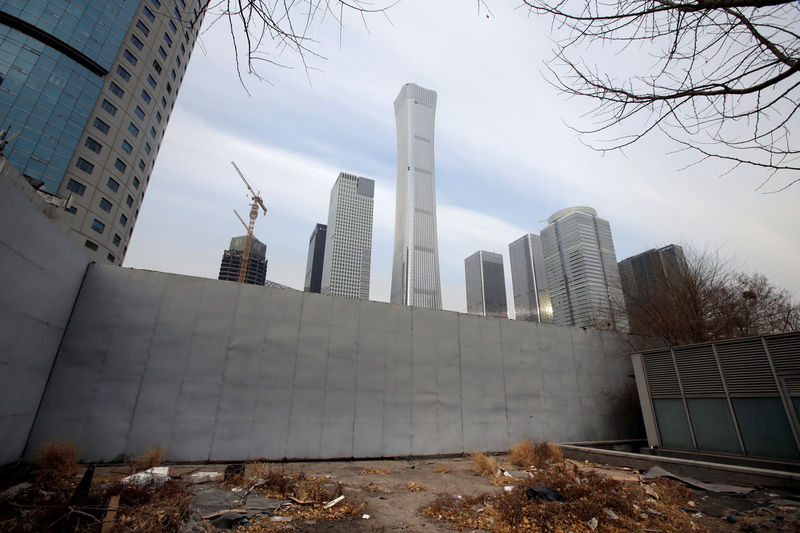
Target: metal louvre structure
738,397
210,370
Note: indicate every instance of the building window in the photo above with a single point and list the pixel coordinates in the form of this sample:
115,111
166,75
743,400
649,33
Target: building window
183,4
178,60
129,200
105,205
71,209
147,148
136,182
146,97
156,3
141,164
142,28
110,108
151,81
177,14
158,116
84,165
124,74
167,39
153,133
173,74
129,56
157,66
149,14
183,50
112,184
116,240
111,257
139,112
169,88
136,42
116,89
126,146
90,245
123,220
163,102
162,52
76,187
119,165
93,145
133,129
98,226
100,125
172,26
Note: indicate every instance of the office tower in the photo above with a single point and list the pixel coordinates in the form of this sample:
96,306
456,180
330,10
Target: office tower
90,86
646,280
316,259
581,270
256,265
486,284
348,246
531,297
415,266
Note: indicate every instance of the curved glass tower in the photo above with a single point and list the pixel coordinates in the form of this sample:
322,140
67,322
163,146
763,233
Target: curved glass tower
415,268
90,86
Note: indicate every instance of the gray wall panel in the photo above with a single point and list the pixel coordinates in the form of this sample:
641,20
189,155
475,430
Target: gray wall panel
224,372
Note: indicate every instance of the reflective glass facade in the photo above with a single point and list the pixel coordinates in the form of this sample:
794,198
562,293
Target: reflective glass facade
486,284
531,297
415,266
46,96
316,258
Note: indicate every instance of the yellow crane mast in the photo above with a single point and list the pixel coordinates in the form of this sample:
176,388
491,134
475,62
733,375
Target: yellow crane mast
256,196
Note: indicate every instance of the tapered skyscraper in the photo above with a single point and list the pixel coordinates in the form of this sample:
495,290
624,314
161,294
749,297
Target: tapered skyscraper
415,268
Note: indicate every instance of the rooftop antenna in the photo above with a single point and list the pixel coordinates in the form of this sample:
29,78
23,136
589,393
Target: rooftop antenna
256,197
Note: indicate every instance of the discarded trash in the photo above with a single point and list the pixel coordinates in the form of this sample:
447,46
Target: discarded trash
281,518
593,523
156,475
610,513
365,516
730,518
205,477
657,471
545,493
333,502
508,488
651,492
13,491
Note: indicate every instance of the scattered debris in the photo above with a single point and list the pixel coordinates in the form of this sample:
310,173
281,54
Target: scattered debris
657,471
376,471
206,477
414,486
593,523
333,502
156,475
545,493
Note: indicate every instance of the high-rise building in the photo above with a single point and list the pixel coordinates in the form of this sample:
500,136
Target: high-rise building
528,280
581,267
316,258
415,266
90,86
256,272
645,279
486,284
348,246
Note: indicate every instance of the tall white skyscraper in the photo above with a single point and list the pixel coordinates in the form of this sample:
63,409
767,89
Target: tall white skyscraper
531,297
348,245
582,272
415,268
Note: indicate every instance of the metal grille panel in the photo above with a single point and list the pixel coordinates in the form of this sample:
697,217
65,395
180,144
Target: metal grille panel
746,368
699,371
793,386
661,376
785,353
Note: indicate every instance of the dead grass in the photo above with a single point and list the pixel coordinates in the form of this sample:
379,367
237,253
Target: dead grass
149,509
150,458
442,470
377,471
57,464
414,487
483,464
528,453
585,496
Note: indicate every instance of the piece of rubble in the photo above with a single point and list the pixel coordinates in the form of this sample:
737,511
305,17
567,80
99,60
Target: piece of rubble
156,475
205,477
610,513
593,523
333,502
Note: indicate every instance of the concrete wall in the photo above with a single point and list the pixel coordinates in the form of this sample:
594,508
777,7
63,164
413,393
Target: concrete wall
212,370
40,275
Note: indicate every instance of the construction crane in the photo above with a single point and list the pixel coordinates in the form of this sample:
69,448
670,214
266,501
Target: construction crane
256,196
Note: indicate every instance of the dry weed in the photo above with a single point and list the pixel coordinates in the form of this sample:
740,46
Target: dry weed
529,453
57,463
483,464
442,470
378,471
149,509
414,486
151,457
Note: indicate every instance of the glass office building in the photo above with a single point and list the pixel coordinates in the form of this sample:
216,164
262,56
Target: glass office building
528,281
486,284
581,269
415,264
90,88
316,259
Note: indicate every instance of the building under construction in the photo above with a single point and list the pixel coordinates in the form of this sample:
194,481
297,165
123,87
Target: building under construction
256,271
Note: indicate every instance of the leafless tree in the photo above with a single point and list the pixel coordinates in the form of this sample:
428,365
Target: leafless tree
705,299
722,78
279,32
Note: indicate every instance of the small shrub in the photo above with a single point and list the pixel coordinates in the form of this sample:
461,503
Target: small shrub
483,464
57,462
151,457
529,453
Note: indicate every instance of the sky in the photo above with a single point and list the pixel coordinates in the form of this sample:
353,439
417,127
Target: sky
506,155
